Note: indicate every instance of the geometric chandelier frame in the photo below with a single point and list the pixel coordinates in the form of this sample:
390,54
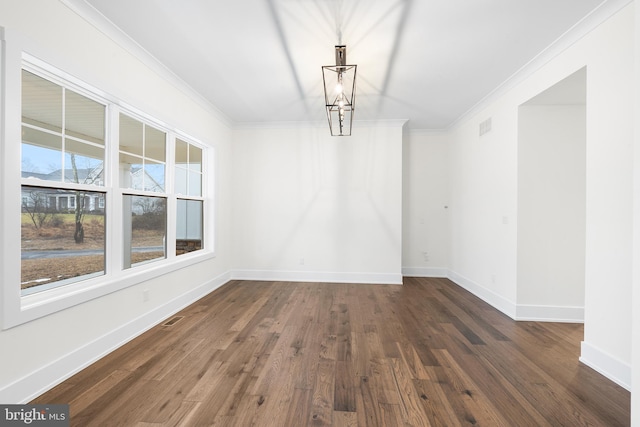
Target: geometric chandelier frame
340,93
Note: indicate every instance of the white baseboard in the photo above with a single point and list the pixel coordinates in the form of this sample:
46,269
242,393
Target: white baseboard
520,312
488,296
48,376
602,362
547,313
318,276
424,272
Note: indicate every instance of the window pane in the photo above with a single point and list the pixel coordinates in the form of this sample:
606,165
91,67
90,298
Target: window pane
189,157
83,163
154,144
195,158
146,172
131,135
41,139
188,226
182,153
195,184
62,237
131,172
84,118
153,176
144,229
41,155
41,102
181,181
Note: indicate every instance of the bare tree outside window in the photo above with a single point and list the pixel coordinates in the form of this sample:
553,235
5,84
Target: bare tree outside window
35,206
90,177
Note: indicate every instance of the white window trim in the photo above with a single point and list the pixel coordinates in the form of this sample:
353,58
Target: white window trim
17,309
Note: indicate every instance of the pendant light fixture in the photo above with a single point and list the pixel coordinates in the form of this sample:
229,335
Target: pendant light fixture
340,93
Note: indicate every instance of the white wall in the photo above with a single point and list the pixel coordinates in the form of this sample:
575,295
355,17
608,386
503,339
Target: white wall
425,210
484,192
610,77
551,212
38,354
483,207
308,206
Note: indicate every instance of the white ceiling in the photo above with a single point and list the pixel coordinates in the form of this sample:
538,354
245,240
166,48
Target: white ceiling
429,61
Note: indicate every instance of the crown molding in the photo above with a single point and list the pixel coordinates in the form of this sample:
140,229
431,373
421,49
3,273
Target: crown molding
87,12
604,11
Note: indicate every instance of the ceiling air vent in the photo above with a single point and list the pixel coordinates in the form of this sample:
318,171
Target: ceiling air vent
485,126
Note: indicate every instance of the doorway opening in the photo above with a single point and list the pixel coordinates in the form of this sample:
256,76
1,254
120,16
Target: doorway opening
552,202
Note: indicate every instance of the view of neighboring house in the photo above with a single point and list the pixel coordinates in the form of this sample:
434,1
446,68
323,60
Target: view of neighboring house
65,201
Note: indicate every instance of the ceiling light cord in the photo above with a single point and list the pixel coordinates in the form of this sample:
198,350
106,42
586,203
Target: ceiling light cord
338,15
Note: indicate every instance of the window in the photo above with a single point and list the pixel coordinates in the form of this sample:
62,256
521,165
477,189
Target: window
96,194
190,204
142,168
62,157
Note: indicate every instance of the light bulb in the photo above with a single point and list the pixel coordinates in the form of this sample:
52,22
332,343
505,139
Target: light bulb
339,88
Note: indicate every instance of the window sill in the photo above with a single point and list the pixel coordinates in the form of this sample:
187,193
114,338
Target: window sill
44,303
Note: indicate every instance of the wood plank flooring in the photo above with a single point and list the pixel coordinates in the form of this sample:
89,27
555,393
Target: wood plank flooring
314,354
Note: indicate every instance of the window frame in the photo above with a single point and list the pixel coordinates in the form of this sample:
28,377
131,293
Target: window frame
128,191
190,197
17,309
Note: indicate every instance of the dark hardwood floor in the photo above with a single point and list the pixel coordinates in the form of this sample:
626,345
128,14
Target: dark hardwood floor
314,354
